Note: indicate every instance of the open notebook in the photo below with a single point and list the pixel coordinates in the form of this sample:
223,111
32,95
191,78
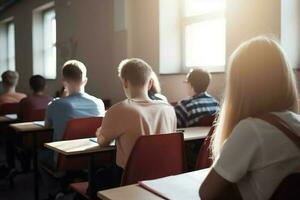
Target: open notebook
11,116
39,123
179,187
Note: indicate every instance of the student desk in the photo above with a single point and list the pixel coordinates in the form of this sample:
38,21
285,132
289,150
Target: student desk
81,147
182,186
86,146
33,130
130,192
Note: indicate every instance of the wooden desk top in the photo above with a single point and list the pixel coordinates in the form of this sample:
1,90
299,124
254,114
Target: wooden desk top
76,147
195,133
83,146
6,119
182,186
28,127
130,192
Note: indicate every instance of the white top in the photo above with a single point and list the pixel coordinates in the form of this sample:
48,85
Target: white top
257,156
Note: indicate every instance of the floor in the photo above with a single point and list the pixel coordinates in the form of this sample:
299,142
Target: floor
23,185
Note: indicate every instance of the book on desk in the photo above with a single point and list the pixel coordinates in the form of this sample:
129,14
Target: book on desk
180,187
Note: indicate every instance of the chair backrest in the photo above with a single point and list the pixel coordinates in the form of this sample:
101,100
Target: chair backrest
155,156
34,115
78,129
9,108
288,188
204,156
207,120
82,128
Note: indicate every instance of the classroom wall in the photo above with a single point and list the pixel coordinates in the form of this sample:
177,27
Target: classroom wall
87,31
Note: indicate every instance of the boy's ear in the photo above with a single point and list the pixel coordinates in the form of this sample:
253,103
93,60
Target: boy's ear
125,83
150,83
85,81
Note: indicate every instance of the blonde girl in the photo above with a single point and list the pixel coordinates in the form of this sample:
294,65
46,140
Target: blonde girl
251,157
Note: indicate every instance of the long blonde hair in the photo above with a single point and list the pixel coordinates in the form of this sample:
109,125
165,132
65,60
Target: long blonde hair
258,80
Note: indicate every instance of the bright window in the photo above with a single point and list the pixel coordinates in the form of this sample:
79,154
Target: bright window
49,43
7,58
44,41
204,34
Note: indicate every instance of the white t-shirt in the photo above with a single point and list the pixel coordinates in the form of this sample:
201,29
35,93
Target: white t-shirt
128,120
257,156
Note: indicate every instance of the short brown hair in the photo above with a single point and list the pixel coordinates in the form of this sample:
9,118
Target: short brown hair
136,71
74,70
199,80
10,78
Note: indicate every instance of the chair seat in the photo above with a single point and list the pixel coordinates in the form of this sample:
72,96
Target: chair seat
80,188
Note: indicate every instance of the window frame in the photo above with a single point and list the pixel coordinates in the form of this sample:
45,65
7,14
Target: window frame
5,45
38,43
190,20
44,48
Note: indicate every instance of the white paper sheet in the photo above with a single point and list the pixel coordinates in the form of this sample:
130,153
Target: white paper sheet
11,116
179,187
39,123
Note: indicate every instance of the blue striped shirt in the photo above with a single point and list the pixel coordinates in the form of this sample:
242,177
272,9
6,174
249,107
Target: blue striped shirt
190,110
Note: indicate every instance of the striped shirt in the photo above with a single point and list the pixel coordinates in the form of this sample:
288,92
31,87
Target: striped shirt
190,110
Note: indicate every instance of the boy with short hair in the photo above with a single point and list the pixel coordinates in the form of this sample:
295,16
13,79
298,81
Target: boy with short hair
9,83
137,115
200,104
38,100
78,104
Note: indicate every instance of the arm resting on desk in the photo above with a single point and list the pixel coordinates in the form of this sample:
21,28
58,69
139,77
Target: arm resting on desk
216,187
102,141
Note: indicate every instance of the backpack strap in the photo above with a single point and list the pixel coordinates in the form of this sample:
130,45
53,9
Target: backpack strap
282,126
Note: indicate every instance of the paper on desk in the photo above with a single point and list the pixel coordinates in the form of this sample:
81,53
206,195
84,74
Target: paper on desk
39,123
179,187
11,116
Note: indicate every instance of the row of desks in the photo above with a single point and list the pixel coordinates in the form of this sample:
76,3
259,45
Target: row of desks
80,146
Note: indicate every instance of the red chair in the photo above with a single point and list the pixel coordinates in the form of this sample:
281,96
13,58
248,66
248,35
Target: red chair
9,108
155,156
78,129
207,120
288,188
34,115
204,157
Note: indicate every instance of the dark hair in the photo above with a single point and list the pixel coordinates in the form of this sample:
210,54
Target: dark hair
199,80
10,78
37,83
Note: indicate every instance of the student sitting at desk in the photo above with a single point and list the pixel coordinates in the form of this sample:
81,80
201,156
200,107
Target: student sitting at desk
137,115
190,110
38,100
155,90
252,156
9,83
78,104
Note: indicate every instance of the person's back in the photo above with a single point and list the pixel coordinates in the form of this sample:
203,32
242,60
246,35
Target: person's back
273,155
9,82
200,104
37,100
251,155
77,105
130,119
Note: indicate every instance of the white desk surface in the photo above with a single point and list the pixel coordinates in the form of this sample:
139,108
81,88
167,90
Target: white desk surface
76,147
183,183
28,127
